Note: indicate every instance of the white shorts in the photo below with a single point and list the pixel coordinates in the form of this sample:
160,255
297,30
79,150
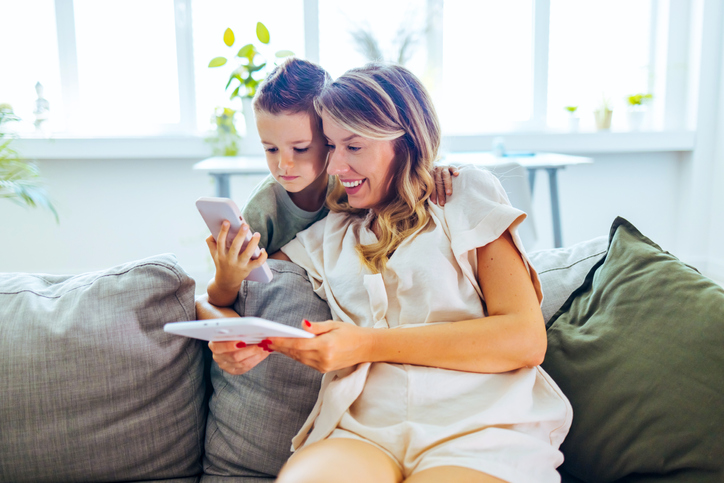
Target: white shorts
506,425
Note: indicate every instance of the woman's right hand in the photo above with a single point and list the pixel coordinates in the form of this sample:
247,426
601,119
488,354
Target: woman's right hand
236,357
232,264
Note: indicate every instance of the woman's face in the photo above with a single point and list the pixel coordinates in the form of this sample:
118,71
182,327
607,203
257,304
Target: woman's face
363,165
295,149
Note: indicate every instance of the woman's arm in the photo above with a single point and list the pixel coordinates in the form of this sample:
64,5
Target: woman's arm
511,337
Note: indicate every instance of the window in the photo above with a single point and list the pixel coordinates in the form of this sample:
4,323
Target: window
29,27
352,33
492,66
127,71
210,21
598,50
487,66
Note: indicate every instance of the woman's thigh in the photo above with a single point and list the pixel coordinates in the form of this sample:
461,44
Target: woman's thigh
457,474
340,459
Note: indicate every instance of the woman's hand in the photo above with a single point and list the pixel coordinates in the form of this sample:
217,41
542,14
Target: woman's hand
337,345
232,264
236,357
442,188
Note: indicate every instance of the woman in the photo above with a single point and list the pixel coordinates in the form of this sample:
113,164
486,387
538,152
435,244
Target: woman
431,367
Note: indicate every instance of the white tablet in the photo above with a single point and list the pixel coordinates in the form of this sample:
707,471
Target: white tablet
251,330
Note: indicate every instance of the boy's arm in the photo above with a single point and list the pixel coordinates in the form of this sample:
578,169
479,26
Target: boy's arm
206,310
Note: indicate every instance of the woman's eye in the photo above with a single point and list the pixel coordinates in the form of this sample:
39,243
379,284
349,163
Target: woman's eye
330,146
271,150
301,150
354,148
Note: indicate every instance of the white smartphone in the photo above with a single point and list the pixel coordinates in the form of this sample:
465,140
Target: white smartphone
251,330
214,211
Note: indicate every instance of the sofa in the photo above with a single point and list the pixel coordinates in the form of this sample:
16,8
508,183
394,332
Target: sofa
93,389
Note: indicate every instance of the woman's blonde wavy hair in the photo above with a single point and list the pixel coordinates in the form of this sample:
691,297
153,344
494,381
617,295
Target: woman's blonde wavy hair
388,103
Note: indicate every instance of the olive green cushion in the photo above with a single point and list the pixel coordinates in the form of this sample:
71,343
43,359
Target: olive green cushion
639,351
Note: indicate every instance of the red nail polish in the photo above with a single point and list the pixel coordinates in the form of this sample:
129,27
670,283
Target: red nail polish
265,342
240,345
307,323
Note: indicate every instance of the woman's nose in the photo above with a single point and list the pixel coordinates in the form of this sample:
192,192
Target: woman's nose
336,164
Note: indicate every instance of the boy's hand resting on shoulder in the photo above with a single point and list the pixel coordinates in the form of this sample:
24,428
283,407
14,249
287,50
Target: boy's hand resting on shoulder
232,265
442,188
337,345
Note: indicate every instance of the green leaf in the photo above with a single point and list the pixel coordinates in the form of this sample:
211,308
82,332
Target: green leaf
284,53
262,33
235,93
229,37
217,62
247,51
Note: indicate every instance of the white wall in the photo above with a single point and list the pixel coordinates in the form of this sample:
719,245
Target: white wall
643,188
111,212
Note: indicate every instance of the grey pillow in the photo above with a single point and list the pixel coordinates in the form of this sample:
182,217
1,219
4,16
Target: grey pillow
91,388
253,417
563,270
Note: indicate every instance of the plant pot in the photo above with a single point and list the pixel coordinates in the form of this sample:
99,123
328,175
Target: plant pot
574,123
251,142
603,119
635,119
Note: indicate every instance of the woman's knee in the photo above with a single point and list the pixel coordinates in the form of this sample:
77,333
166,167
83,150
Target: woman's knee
332,459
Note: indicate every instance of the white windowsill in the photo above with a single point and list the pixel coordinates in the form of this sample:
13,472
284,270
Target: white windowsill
194,146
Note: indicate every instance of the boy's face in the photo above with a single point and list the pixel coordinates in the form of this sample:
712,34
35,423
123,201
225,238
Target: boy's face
296,150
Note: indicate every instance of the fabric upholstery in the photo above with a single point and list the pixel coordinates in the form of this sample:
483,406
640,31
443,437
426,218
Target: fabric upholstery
563,270
91,388
253,417
638,351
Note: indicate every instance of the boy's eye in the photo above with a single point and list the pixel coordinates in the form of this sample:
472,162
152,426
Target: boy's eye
271,150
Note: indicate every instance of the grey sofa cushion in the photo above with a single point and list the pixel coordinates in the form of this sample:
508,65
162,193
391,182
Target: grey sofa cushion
91,388
253,417
563,270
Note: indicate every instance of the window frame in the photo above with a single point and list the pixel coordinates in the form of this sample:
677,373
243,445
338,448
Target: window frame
672,44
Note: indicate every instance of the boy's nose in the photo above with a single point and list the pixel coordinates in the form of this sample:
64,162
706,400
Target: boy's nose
285,161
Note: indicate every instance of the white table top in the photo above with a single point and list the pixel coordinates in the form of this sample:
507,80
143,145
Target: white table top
233,165
527,160
258,165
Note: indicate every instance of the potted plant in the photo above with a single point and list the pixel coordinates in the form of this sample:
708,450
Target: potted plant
637,108
19,178
603,115
252,68
226,139
573,119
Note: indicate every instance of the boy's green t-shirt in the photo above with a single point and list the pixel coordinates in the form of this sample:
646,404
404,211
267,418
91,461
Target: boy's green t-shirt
270,211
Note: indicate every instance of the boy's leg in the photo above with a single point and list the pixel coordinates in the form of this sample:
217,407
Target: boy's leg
340,459
457,474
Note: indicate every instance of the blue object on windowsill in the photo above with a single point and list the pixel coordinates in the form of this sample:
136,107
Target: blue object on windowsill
517,155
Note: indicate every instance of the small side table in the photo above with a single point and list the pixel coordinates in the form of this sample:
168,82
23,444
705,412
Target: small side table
550,162
222,167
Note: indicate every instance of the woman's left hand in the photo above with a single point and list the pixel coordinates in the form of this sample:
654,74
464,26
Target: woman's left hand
337,345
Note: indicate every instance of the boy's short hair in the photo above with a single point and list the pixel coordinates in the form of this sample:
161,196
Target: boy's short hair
291,88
